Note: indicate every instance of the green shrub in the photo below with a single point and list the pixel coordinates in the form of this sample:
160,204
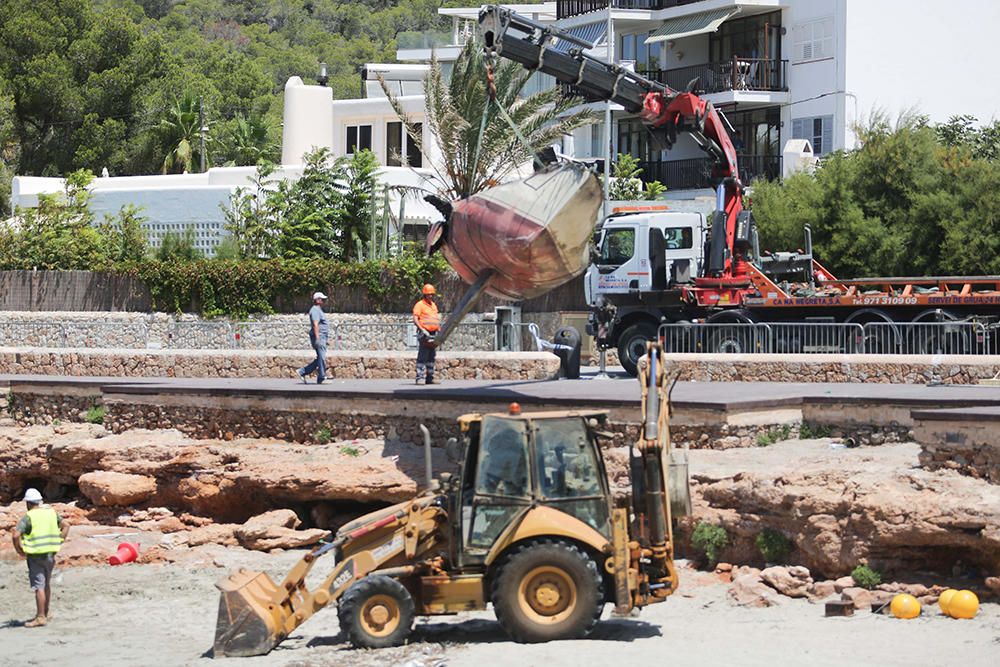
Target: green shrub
866,577
323,435
95,414
348,450
808,431
710,539
774,435
773,545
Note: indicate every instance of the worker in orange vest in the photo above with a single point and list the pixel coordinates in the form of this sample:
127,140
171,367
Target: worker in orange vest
428,321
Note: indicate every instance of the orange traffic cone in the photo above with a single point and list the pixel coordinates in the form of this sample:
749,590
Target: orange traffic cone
127,552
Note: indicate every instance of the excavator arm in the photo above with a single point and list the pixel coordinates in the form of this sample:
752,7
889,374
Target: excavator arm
667,112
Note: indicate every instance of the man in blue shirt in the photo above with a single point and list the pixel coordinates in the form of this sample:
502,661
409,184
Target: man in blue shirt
319,335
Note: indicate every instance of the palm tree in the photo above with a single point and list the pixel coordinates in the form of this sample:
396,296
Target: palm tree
179,132
469,161
248,141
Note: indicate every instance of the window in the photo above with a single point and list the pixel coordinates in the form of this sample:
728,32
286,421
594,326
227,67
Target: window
752,37
678,238
503,458
634,47
618,246
393,144
359,138
566,465
814,40
596,137
413,155
818,130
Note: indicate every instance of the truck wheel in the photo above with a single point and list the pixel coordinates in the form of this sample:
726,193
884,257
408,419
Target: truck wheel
376,612
548,590
632,345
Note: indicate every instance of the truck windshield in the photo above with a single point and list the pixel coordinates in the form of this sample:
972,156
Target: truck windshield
618,246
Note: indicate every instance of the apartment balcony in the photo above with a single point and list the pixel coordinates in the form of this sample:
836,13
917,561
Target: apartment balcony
696,173
753,74
567,8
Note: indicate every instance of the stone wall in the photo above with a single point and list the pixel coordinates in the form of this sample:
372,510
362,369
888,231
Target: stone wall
969,447
274,364
885,369
348,331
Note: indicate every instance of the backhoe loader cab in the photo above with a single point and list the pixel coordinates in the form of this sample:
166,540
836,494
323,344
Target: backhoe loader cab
527,523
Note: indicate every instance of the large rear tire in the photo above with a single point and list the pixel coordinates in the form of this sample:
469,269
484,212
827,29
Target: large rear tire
376,612
632,345
548,590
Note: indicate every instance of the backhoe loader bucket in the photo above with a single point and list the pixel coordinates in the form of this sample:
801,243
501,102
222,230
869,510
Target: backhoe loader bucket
251,618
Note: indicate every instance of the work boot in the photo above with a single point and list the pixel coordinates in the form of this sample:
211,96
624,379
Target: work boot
36,622
431,380
417,381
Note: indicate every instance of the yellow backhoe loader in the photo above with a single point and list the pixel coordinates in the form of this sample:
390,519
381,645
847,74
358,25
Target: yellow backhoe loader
528,524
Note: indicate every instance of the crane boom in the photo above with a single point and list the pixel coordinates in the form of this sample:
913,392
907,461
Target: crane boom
667,112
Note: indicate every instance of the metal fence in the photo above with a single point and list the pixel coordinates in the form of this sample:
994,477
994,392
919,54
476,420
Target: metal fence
973,338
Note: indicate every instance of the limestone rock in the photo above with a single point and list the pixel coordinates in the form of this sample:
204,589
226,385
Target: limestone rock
840,507
115,488
276,530
863,598
993,583
843,583
820,590
748,590
791,581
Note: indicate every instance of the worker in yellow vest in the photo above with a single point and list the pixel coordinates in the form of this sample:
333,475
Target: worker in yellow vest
37,537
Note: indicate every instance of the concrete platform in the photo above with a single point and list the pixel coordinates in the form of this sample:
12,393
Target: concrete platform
705,414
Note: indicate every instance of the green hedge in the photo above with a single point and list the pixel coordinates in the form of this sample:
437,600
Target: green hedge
238,288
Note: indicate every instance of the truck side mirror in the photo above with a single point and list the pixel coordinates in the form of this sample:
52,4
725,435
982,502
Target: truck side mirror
452,450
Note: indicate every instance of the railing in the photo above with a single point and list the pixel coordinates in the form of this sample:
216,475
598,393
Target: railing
566,8
735,74
696,172
972,338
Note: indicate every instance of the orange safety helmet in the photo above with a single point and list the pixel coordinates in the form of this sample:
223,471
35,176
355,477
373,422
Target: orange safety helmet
429,289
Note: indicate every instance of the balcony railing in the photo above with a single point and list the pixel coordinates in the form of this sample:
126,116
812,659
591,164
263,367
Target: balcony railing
565,8
696,172
735,74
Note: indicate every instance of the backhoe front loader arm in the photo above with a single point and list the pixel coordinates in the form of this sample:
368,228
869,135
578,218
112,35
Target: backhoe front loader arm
255,614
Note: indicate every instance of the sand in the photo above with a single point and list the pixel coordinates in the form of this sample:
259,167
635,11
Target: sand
165,615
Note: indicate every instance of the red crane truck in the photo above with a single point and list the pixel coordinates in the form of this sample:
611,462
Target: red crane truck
652,267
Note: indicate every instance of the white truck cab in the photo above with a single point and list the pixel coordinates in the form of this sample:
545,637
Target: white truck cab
646,249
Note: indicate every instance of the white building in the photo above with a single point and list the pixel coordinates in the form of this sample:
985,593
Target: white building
779,69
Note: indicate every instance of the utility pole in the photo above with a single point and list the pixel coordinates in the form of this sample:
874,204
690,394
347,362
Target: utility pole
610,40
201,130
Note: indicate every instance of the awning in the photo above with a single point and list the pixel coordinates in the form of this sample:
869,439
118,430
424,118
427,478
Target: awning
592,32
692,24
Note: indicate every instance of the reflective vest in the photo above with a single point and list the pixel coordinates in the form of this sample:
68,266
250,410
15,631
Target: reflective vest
45,536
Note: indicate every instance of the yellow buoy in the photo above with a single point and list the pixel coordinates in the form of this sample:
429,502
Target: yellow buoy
905,606
945,600
964,604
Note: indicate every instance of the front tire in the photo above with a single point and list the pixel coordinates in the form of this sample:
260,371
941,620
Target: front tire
632,345
546,591
376,612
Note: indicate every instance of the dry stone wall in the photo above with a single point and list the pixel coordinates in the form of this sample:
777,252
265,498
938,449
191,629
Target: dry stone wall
967,447
883,369
273,364
348,331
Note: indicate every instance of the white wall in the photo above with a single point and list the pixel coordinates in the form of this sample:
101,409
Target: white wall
814,84
937,58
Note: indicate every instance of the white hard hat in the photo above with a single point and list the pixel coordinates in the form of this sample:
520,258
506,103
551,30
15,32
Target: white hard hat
319,295
32,496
